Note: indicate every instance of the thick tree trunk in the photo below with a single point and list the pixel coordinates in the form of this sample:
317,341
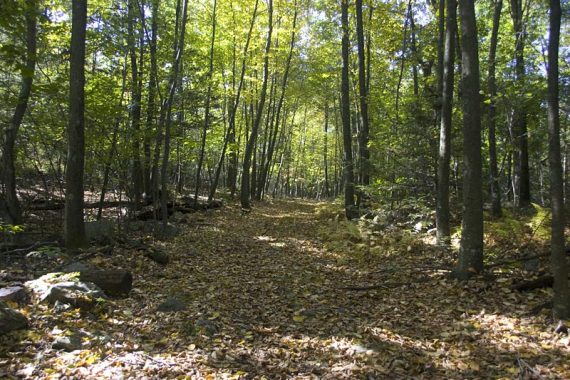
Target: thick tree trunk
74,224
493,170
442,209
13,211
249,150
345,114
559,262
471,248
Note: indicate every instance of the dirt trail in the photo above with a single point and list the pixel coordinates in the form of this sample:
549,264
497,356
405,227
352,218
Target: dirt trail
262,298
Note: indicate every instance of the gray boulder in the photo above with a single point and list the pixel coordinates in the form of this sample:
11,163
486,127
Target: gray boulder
66,289
11,320
13,293
68,343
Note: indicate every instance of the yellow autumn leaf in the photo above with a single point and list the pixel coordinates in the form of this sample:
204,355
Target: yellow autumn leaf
298,318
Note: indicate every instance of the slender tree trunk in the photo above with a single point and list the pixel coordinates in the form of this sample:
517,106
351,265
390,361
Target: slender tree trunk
167,105
249,150
135,106
206,106
345,114
522,171
272,142
114,138
231,132
326,191
151,102
559,262
74,224
363,92
442,209
471,248
493,171
414,53
13,210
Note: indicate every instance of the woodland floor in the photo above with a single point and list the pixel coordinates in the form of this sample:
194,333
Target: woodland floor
266,299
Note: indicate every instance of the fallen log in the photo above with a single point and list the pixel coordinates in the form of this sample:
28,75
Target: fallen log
114,282
544,281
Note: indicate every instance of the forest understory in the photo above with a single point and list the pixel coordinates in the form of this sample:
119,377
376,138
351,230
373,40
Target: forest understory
292,290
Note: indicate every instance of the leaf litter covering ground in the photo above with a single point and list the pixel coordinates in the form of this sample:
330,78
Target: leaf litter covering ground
265,299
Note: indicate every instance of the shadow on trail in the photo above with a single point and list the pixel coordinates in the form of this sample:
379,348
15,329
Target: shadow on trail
276,300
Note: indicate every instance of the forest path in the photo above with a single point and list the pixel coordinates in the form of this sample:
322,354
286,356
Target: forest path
265,298
267,295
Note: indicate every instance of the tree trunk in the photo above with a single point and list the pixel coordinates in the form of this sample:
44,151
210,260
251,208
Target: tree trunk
14,212
326,191
522,175
74,224
559,262
273,138
231,132
493,171
207,105
442,209
114,138
249,149
135,106
363,92
179,52
345,114
151,102
471,248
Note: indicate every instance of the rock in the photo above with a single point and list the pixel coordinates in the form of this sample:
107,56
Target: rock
75,267
82,295
172,304
11,320
67,289
157,256
68,343
13,293
100,231
114,282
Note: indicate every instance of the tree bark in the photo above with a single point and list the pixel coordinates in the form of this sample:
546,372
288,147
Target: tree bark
135,106
522,177
345,114
559,262
493,170
74,224
151,100
444,157
178,54
207,105
363,92
13,211
471,248
249,149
